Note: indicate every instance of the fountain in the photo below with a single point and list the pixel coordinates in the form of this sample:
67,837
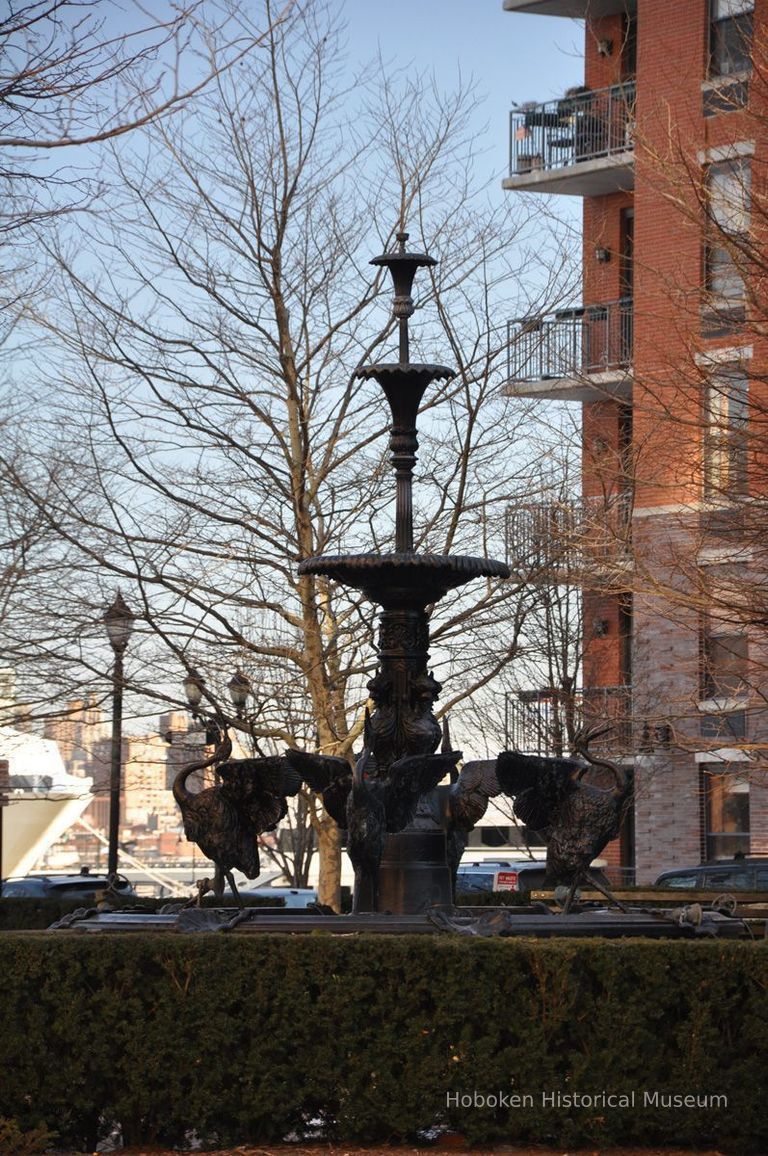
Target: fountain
405,832
414,869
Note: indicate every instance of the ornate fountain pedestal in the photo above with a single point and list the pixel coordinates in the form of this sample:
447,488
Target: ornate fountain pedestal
414,872
415,877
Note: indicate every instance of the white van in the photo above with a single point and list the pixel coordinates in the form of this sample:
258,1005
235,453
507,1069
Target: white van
501,875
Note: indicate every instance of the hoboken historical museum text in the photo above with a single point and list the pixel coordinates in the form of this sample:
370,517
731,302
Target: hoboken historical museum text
637,1098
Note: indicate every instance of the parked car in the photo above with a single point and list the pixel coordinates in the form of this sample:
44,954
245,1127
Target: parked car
507,875
281,896
501,875
747,874
82,887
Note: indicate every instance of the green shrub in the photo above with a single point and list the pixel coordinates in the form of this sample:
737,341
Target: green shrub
493,898
15,1142
251,1038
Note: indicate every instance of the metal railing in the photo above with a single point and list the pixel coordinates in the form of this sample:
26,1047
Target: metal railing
543,722
587,339
567,538
574,129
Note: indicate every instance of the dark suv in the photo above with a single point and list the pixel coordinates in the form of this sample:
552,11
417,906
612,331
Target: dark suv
726,875
81,887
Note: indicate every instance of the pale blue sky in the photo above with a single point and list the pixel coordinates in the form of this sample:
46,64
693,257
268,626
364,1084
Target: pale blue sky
514,57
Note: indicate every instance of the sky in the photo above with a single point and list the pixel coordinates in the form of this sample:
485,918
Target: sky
514,57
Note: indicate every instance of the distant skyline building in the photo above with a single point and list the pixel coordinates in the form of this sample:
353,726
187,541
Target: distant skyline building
150,762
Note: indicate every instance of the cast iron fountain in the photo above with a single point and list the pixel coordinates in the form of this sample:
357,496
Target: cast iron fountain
402,733
405,833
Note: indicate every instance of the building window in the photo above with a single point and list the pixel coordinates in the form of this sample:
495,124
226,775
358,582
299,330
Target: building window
727,194
730,43
483,837
725,665
724,660
726,729
727,815
628,47
726,415
724,672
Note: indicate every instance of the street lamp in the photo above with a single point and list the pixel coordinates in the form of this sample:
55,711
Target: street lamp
239,688
194,685
118,619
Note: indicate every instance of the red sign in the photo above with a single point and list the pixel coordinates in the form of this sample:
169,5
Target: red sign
506,881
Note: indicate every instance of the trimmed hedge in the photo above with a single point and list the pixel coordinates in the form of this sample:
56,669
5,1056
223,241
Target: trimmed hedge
257,1038
493,898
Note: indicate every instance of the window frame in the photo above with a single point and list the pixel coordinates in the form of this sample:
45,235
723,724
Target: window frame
727,200
725,450
725,664
720,786
731,28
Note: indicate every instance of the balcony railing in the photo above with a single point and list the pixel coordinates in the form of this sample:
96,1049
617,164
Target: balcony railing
567,539
574,129
543,722
571,342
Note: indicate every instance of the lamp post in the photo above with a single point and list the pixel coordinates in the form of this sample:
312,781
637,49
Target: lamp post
4,786
118,619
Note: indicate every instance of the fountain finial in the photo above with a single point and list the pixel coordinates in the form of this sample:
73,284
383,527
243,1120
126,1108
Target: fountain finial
403,265
404,385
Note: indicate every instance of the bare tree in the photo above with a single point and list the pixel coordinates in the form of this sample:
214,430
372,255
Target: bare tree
75,75
292,847
77,72
221,433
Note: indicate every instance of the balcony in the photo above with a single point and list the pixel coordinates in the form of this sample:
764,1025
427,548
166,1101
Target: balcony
543,722
572,542
576,9
578,354
580,145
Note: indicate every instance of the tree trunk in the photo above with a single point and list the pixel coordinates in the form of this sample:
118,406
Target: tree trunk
329,885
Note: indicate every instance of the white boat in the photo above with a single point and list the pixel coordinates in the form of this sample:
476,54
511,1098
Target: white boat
43,799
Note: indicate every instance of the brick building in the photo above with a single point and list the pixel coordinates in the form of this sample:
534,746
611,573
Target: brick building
665,354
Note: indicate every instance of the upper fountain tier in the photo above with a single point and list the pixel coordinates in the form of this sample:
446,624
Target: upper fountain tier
403,578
